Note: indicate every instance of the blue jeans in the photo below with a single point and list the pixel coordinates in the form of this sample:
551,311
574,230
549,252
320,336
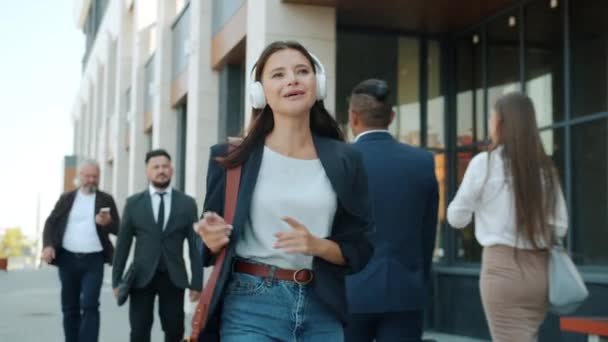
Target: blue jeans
265,309
81,277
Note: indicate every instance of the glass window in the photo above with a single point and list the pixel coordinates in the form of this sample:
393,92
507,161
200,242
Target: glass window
127,135
182,132
435,138
127,101
435,104
589,56
108,138
149,140
232,86
469,98
180,35
378,59
467,247
406,126
503,57
128,118
100,10
553,143
590,192
544,58
441,174
397,60
149,84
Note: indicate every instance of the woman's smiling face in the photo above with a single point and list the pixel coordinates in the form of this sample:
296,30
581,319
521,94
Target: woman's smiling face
289,83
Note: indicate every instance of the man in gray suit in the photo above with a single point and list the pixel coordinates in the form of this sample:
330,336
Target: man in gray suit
160,218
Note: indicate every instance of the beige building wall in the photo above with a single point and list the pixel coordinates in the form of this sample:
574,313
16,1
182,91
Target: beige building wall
130,31
312,26
164,127
203,100
137,138
119,134
105,147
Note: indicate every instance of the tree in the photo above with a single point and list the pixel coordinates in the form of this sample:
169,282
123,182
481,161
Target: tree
12,243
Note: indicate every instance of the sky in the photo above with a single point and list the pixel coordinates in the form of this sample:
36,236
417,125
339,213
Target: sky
41,50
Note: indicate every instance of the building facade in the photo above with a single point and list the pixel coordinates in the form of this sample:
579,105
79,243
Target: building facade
174,74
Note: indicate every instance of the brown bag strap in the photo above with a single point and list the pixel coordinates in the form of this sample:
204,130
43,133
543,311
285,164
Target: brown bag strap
199,320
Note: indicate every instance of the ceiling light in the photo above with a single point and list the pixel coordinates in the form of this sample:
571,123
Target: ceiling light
475,39
512,21
554,4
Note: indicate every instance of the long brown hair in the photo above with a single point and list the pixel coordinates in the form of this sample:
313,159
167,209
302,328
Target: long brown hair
533,176
262,120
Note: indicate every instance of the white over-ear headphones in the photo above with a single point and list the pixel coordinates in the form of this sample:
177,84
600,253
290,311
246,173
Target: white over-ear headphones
256,90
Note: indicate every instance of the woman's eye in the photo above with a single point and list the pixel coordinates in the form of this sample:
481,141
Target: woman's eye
303,71
277,75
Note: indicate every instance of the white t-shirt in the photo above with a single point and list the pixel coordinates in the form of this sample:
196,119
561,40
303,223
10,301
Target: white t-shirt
291,187
81,232
493,204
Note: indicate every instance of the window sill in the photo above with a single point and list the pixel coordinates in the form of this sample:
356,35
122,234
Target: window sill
591,275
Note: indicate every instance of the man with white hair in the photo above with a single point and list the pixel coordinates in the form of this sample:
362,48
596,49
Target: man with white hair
76,240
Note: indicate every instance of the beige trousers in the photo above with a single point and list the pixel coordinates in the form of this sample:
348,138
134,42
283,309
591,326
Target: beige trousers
514,289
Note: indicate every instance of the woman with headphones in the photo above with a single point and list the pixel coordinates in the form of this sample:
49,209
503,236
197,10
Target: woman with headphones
302,211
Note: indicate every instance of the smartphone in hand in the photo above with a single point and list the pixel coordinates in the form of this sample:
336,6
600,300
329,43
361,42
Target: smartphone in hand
104,210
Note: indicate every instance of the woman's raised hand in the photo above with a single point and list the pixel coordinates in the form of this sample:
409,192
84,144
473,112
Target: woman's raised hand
214,231
298,240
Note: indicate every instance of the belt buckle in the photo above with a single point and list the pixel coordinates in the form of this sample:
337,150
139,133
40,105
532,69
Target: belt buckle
302,283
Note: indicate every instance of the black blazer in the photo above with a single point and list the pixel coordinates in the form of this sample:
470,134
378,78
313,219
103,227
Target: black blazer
56,223
138,221
344,168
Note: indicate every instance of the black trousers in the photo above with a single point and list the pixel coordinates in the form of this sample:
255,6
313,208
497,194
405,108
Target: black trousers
385,327
170,309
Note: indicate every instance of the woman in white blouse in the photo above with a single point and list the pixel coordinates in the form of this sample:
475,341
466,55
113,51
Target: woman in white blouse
514,192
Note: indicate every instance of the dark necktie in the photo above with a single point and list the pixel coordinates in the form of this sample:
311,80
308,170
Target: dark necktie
161,210
160,221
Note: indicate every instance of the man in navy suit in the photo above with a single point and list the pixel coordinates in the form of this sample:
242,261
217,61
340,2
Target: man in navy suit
387,299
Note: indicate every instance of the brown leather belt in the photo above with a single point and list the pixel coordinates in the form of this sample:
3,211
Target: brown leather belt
301,277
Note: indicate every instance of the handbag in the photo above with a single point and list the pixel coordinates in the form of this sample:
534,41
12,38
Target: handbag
201,314
567,290
124,286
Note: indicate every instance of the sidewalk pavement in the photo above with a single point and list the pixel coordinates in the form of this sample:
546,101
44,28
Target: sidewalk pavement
30,310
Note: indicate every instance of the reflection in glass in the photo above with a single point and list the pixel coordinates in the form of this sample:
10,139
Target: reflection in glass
546,138
435,105
553,143
503,58
589,35
590,192
354,64
406,126
468,249
397,60
180,155
148,139
441,174
469,99
544,58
